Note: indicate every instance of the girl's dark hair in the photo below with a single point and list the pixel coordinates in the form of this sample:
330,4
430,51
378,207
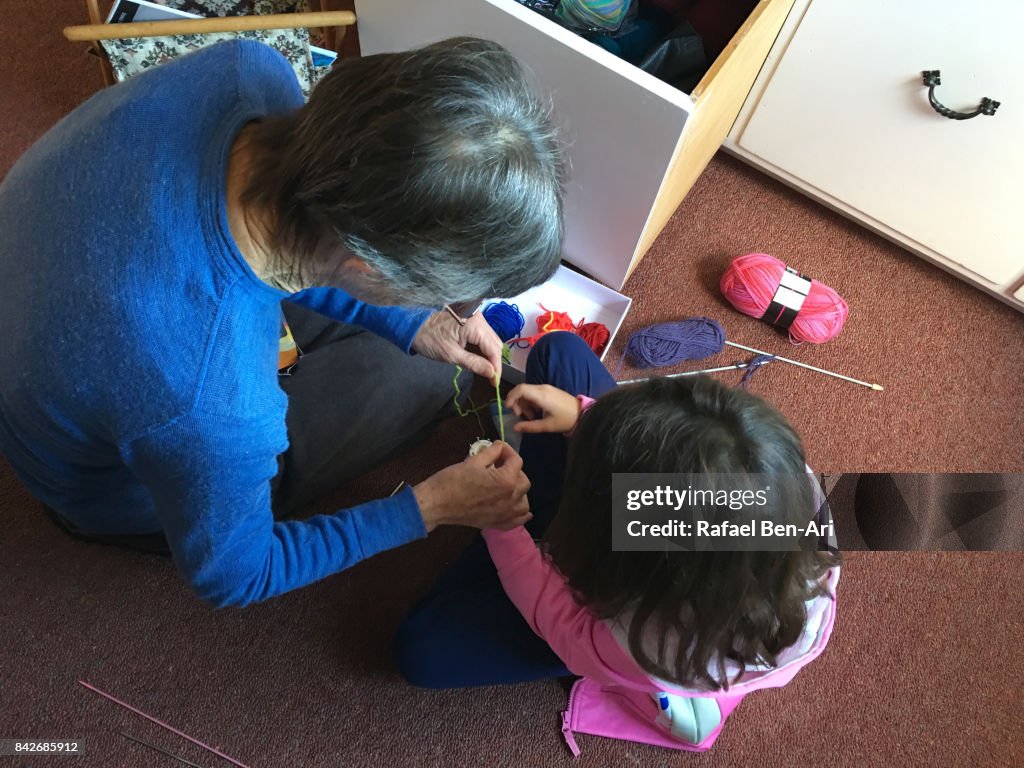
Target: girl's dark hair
438,167
687,613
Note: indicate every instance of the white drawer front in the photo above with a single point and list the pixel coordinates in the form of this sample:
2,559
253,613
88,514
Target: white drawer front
621,124
845,113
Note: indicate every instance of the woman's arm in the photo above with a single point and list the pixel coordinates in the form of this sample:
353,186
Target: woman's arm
209,478
399,325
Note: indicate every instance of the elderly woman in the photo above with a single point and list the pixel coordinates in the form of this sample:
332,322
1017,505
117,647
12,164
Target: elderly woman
155,241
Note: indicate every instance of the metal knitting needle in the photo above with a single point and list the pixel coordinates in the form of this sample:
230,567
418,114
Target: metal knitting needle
737,366
876,387
161,749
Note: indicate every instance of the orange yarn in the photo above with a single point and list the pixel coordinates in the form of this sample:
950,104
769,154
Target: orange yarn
596,335
546,323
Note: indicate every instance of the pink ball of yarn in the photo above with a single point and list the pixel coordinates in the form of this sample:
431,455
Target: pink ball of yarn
750,284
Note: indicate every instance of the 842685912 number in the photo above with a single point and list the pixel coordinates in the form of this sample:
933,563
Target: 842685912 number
41,746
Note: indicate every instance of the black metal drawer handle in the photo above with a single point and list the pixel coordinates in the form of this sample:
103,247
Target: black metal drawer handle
931,79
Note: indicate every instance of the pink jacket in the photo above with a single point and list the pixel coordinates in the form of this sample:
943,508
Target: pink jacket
615,697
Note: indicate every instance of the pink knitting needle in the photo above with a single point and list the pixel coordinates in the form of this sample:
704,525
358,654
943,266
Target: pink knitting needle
163,725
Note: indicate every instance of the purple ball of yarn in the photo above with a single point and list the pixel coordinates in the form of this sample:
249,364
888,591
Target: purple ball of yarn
669,343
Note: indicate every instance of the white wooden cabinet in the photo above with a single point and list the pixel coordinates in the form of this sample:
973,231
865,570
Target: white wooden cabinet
840,112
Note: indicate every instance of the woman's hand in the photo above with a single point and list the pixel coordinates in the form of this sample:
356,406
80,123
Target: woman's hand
442,338
484,491
543,408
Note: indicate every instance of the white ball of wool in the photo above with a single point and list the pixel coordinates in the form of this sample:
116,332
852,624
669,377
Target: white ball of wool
478,446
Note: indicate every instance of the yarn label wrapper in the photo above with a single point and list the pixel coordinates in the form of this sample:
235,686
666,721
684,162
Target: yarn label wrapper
788,299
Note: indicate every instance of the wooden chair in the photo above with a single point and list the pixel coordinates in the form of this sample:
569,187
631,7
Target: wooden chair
334,23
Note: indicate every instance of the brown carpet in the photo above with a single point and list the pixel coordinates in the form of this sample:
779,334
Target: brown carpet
924,665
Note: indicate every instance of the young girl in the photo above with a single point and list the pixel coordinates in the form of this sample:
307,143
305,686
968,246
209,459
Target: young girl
666,643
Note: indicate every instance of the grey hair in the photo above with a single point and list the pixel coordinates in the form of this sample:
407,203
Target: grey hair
439,167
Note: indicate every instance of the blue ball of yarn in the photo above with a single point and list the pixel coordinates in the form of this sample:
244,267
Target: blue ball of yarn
669,343
505,319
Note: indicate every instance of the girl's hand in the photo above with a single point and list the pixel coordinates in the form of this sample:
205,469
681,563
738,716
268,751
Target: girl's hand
543,408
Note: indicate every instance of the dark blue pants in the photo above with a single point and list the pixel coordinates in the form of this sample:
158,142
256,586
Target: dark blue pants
466,632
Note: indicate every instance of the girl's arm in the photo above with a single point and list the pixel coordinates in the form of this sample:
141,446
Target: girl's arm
545,408
584,642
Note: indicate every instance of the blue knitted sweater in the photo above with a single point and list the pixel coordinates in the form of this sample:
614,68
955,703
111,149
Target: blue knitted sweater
138,381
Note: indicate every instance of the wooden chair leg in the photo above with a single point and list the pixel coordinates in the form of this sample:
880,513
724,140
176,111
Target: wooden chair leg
106,71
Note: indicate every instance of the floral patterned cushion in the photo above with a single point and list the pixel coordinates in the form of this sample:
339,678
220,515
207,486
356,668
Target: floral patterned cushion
211,7
130,56
235,7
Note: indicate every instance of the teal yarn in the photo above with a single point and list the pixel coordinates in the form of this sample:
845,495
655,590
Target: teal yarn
596,15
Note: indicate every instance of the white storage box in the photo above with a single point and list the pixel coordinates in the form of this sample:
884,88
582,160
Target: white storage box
567,291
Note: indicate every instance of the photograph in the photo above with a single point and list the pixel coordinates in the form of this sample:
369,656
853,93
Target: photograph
512,384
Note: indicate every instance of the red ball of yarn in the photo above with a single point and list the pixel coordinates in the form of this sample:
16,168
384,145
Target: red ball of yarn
750,284
595,334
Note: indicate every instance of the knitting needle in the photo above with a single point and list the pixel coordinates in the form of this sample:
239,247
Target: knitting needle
876,387
161,749
736,367
162,724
